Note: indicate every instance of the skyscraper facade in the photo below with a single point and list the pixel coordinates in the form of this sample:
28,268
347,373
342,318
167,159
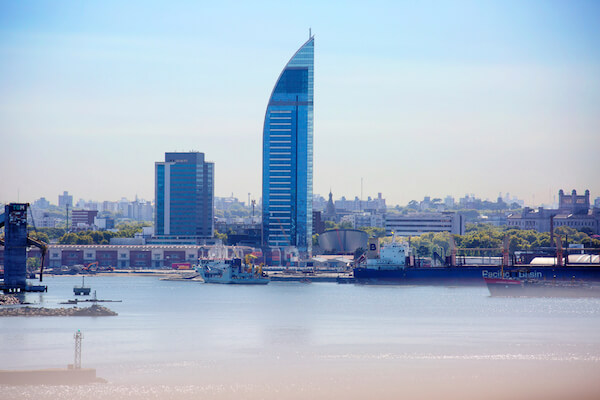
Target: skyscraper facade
184,196
288,155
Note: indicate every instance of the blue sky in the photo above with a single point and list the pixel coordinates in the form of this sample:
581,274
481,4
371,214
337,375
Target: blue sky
416,98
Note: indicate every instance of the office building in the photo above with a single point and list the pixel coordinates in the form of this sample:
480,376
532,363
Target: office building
184,191
65,200
418,223
288,156
82,219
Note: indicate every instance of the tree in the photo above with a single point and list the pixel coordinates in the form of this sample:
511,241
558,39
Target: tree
84,239
33,263
587,230
358,252
68,238
53,233
373,231
129,229
346,225
40,236
423,251
329,225
315,239
222,236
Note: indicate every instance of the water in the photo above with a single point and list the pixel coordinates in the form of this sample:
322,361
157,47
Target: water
185,340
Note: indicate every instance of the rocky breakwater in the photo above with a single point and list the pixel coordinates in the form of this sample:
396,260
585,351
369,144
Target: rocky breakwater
92,311
8,300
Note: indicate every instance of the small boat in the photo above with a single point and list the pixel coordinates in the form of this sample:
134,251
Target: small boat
231,272
508,287
82,290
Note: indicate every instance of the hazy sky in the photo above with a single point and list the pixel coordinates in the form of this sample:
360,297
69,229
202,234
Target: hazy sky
417,98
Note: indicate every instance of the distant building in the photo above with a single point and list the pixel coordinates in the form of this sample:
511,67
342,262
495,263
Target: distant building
244,235
132,254
319,202
110,206
358,205
534,219
184,197
590,222
82,219
329,214
496,219
573,203
104,223
41,203
364,219
65,200
40,218
449,201
226,203
419,223
470,201
318,223
573,211
140,210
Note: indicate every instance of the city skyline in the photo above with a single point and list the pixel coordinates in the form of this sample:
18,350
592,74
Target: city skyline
507,197
467,98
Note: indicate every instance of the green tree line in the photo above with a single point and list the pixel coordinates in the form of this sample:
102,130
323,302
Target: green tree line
485,236
125,230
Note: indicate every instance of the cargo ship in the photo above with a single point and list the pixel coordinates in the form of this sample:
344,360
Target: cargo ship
391,267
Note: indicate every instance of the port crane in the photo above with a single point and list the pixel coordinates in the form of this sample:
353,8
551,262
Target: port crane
16,241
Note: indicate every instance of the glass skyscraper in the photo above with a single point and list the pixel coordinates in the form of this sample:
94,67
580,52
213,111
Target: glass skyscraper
184,196
288,155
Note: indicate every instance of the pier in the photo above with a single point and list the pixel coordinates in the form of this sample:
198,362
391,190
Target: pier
54,376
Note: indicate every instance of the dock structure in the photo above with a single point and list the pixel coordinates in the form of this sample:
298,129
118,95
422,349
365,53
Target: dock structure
312,277
53,376
72,375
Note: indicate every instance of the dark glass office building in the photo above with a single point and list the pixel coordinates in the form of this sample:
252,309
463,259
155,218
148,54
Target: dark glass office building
184,196
288,155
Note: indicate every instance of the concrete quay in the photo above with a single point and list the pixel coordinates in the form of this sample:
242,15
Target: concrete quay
55,376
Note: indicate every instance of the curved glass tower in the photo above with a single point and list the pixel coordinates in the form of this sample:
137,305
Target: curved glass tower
288,155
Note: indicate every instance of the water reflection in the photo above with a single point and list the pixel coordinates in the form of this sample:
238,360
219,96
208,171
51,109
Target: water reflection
180,340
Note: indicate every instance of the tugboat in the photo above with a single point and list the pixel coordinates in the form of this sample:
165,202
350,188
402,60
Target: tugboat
231,272
81,290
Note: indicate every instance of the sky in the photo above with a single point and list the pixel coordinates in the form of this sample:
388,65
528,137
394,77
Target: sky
414,99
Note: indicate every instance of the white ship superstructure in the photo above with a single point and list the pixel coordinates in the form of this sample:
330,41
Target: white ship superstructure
391,256
231,272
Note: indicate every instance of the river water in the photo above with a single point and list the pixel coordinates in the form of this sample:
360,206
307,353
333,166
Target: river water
188,340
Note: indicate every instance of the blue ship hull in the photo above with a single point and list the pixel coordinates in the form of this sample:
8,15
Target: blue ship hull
472,275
